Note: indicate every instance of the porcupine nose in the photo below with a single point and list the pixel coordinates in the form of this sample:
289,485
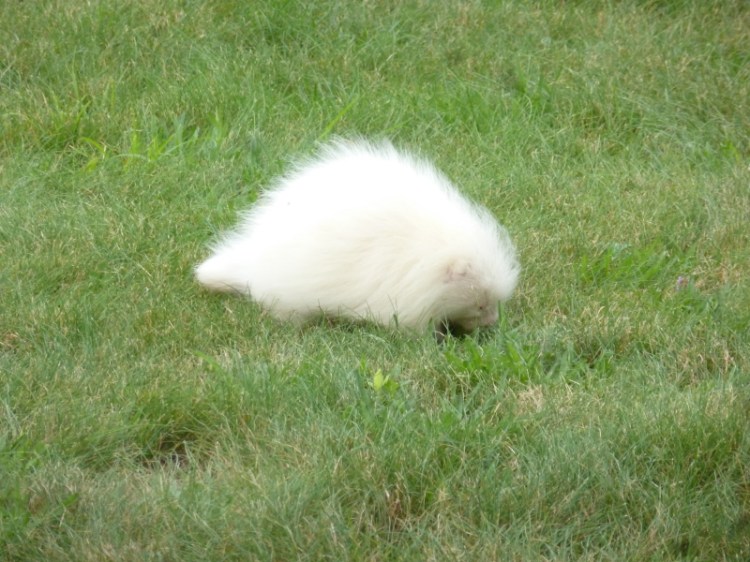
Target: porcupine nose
490,317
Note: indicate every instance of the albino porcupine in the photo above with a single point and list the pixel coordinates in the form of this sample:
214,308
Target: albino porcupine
365,231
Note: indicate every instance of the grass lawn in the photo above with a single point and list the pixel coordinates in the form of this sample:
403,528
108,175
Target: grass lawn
608,416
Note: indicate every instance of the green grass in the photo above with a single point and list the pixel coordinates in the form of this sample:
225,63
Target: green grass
606,419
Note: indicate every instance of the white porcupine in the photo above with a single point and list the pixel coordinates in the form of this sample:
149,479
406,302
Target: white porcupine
365,231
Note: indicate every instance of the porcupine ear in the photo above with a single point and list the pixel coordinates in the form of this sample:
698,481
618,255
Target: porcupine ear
457,270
